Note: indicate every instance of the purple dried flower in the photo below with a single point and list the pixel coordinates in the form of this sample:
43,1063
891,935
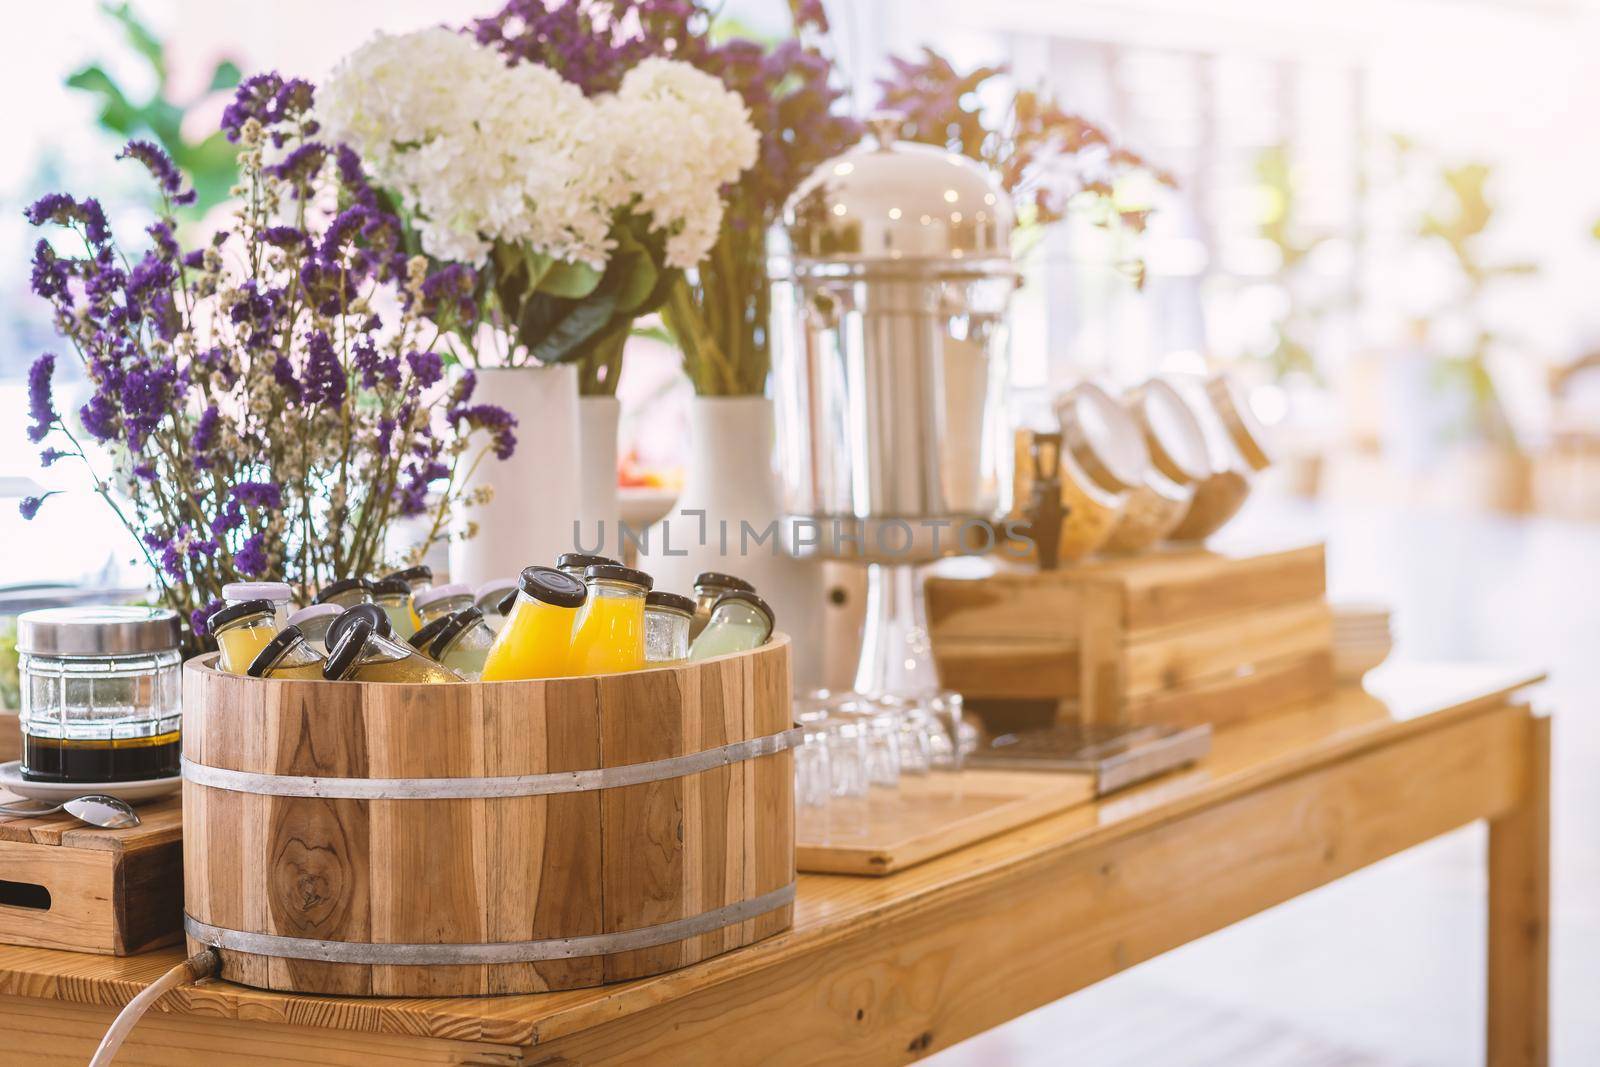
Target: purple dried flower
324,378
166,173
496,420
65,211
50,455
200,616
251,559
41,406
29,505
205,437
426,367
267,496
270,99
50,273
284,236
300,165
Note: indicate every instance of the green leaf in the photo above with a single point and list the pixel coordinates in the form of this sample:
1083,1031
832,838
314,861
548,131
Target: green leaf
636,271
574,323
117,113
144,42
226,76
572,281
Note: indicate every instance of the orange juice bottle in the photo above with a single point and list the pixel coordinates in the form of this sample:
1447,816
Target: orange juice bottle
609,635
536,636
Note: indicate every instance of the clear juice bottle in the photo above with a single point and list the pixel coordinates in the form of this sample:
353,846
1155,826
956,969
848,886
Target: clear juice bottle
666,627
241,631
440,601
461,642
708,588
346,593
314,620
278,592
287,655
488,597
418,579
739,622
536,638
609,635
577,564
365,650
393,595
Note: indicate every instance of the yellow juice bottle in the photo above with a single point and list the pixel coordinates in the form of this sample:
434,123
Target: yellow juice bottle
537,634
241,631
609,636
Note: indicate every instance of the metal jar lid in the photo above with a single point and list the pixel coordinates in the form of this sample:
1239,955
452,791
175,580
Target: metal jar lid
97,631
889,201
1102,437
1172,433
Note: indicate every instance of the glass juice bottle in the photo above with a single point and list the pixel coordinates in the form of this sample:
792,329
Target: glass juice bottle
314,621
462,642
441,601
739,622
394,596
241,632
364,650
487,598
346,593
708,587
577,564
288,655
666,627
536,638
418,579
609,635
277,592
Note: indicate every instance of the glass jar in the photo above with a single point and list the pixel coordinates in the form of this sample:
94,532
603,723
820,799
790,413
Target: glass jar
609,633
739,622
1237,443
314,621
441,601
288,655
277,592
708,588
666,627
241,632
394,597
461,642
346,593
1178,463
488,598
536,640
577,564
365,650
101,694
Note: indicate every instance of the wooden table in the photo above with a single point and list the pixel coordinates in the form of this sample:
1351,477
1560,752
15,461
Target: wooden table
884,970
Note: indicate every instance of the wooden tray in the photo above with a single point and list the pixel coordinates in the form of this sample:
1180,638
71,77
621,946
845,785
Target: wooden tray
927,816
67,885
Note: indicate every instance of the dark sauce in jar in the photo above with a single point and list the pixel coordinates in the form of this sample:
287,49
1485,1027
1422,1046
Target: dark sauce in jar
126,759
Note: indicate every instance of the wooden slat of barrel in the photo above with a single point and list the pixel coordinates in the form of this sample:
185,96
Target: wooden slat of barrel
773,776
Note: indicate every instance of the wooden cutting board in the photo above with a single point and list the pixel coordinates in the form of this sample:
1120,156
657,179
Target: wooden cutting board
927,816
67,885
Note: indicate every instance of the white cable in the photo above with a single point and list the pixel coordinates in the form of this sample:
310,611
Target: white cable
202,964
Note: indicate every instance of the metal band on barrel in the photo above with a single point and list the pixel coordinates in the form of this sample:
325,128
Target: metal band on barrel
559,948
516,785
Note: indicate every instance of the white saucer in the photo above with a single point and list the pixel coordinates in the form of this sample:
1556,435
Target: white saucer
11,781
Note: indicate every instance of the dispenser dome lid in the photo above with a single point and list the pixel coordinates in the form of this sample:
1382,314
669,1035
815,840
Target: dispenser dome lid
887,200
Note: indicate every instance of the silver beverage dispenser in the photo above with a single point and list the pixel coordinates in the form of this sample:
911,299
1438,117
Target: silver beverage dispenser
892,275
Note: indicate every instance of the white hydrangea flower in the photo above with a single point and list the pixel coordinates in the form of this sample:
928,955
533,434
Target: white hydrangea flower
677,135
478,151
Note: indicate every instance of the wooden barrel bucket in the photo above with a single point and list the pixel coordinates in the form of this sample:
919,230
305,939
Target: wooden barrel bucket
499,837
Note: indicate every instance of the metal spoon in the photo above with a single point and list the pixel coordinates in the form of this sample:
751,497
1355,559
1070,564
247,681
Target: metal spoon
96,809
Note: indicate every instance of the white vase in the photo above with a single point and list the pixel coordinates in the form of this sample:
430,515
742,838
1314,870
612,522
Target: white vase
729,518
529,517
598,508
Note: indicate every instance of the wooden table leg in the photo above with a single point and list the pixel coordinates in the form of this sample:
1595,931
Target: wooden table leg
1519,918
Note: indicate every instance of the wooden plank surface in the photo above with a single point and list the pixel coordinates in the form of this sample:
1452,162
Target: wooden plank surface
834,912
1519,915
928,816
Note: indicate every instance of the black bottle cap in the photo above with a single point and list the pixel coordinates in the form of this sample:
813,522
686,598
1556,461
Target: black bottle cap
583,561
554,587
718,580
748,597
673,601
616,572
453,627
422,637
504,605
349,645
273,650
224,615
376,618
411,575
343,585
390,587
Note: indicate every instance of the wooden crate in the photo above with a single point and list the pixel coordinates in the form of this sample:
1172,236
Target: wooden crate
67,885
1183,635
495,837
